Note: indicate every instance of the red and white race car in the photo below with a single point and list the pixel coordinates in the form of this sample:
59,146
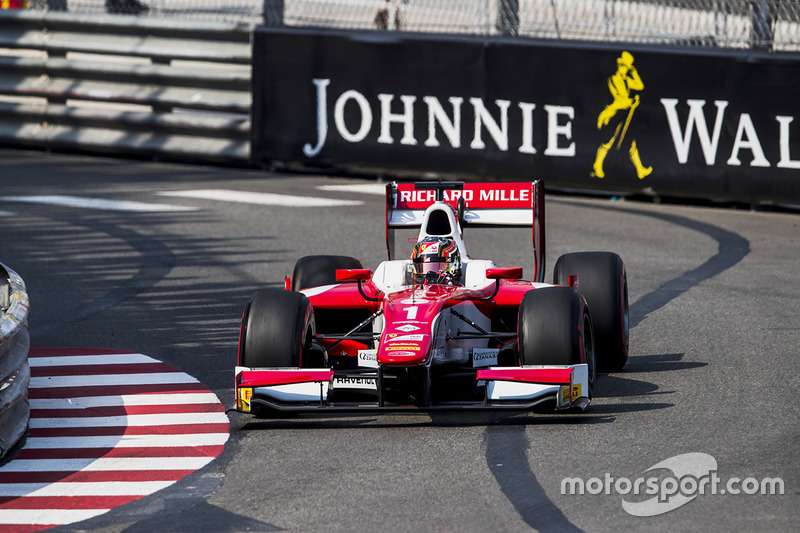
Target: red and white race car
440,330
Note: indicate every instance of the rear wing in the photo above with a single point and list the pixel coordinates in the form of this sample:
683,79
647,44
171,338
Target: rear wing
498,204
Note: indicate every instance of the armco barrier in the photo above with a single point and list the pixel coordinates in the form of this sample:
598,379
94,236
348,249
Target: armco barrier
15,373
606,116
125,85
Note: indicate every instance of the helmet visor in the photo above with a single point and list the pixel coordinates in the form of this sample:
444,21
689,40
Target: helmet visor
424,268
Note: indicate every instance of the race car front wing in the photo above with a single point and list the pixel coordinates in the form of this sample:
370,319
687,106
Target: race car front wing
309,389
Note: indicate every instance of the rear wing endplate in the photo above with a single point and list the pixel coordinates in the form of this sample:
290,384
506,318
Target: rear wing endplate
499,204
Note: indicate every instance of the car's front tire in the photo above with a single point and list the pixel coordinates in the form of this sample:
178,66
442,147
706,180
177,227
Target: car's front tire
603,282
555,328
277,329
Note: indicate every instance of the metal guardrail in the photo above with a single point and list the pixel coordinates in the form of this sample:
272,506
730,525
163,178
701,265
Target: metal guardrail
15,372
120,84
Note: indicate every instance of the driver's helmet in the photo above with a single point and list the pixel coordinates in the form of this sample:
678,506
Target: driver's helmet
436,260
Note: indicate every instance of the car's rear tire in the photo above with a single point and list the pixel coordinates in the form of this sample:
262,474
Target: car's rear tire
555,328
319,270
277,329
603,282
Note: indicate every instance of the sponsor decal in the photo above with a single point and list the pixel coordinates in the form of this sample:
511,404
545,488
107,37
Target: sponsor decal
414,301
429,247
403,353
403,347
417,337
616,122
368,358
565,395
616,118
409,344
245,394
625,120
559,120
568,394
484,357
354,382
407,328
475,196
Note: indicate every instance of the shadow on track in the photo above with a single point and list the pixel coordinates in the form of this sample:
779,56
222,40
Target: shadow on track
518,482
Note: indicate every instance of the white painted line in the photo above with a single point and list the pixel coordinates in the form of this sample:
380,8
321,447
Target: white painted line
260,198
109,488
47,517
162,419
107,359
106,464
128,441
94,380
183,398
98,203
363,188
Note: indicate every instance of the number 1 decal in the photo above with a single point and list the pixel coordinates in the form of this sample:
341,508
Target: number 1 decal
411,312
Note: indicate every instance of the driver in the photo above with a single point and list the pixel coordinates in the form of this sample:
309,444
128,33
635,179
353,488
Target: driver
436,261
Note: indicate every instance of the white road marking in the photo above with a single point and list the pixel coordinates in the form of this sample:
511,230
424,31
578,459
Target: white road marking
47,517
183,398
260,198
49,382
128,441
101,359
98,203
163,419
106,464
378,189
108,488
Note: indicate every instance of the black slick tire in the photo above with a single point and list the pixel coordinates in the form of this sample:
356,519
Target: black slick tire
277,329
319,270
555,328
603,282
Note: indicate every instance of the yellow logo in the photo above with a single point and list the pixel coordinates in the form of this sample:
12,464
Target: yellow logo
245,393
576,391
564,395
567,396
617,116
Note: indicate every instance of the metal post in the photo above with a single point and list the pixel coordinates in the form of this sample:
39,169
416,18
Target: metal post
273,13
761,19
508,17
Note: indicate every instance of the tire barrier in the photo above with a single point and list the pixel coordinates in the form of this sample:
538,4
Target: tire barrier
15,373
125,85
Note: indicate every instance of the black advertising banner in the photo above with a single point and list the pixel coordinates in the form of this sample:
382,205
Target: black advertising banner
684,122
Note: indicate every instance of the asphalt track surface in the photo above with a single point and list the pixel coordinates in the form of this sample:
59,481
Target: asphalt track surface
713,368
